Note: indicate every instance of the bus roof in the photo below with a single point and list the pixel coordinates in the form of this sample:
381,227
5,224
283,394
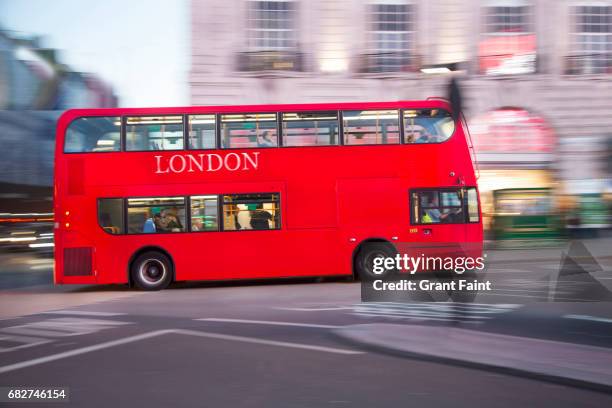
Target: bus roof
436,102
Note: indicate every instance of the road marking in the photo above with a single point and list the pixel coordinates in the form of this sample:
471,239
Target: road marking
316,309
83,350
590,318
82,313
256,340
269,322
38,267
20,342
148,335
61,327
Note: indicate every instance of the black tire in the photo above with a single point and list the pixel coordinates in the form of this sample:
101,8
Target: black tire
152,270
364,260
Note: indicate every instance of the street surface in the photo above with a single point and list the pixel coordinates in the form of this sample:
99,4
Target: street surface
272,343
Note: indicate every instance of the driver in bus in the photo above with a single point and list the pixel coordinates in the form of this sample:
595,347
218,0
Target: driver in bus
432,213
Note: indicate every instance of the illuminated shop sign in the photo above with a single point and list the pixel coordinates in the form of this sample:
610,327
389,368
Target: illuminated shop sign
508,54
512,130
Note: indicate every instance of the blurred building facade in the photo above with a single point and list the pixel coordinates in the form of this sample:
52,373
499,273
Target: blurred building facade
536,76
35,87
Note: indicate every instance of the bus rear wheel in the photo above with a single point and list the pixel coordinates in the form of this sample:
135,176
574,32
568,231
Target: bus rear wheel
151,270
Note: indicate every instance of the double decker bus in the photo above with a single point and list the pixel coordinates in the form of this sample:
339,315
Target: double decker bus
152,196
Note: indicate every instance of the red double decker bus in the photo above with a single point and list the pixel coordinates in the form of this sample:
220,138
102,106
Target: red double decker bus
152,196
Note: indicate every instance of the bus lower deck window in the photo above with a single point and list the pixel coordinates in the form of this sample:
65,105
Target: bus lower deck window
251,212
204,213
110,215
156,215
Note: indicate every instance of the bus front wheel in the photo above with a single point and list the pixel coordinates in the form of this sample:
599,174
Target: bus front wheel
151,270
365,259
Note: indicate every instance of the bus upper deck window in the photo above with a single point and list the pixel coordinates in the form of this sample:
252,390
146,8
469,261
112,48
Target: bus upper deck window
154,133
427,126
242,130
310,128
202,131
371,127
93,134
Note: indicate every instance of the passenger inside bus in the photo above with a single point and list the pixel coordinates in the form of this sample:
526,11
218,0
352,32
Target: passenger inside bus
260,218
169,221
150,224
264,140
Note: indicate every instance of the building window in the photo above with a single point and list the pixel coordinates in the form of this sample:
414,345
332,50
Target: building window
251,212
591,40
391,37
272,37
508,44
271,25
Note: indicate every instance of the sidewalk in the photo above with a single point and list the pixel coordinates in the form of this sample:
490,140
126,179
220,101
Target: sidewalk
566,363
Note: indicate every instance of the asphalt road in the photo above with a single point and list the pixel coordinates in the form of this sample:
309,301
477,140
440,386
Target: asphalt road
271,344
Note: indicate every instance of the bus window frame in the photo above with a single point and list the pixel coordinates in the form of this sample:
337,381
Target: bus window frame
217,138
124,126
222,221
279,130
399,123
187,228
219,226
428,143
220,136
338,137
121,138
464,206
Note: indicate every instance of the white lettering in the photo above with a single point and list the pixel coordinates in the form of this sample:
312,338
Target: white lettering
158,161
210,162
183,164
227,161
199,162
253,161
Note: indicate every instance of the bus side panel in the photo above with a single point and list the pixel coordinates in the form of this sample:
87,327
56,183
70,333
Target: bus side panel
371,208
258,254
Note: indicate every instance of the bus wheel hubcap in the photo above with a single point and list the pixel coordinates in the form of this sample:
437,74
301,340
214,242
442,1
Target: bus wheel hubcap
152,271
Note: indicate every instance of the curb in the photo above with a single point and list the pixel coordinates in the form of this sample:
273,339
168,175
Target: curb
351,335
